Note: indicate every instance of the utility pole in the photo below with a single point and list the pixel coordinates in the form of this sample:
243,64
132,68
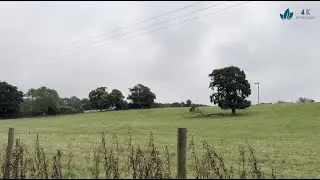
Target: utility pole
257,83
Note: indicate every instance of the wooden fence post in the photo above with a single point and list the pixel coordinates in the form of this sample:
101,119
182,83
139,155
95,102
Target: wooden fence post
182,153
9,154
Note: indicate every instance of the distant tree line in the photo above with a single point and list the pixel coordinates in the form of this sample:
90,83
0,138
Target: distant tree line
282,102
300,100
229,86
45,101
305,100
265,103
188,103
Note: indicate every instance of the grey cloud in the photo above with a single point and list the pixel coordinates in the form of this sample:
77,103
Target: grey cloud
174,62
283,59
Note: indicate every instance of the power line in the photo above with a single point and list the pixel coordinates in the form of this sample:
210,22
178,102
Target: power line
195,18
191,19
124,27
168,20
155,24
140,22
150,32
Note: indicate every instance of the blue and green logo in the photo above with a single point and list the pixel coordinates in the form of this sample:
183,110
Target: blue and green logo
286,15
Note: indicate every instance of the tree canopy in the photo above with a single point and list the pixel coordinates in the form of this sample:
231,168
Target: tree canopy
188,103
42,92
116,99
141,96
44,101
86,104
73,102
10,100
99,98
230,88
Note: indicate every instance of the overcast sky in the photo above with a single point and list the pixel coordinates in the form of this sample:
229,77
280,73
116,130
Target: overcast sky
38,39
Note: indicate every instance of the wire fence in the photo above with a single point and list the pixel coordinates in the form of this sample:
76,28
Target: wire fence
147,133
222,145
270,155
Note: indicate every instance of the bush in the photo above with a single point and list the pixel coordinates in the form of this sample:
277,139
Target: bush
195,109
69,110
305,100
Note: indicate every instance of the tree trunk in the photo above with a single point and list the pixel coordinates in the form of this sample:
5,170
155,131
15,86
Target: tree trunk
233,112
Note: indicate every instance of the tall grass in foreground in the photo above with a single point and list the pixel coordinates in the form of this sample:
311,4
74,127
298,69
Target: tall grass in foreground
131,162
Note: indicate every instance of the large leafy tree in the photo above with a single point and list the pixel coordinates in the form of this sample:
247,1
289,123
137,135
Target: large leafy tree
189,102
86,104
65,102
26,107
10,100
116,99
44,101
230,88
183,104
124,105
42,92
99,98
73,102
141,96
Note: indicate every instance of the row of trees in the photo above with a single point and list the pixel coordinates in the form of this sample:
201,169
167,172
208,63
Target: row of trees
230,90
140,97
229,85
46,101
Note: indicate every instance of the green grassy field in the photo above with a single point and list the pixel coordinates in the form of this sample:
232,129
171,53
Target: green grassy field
285,136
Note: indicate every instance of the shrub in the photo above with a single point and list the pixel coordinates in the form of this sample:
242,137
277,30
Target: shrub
196,110
304,100
69,110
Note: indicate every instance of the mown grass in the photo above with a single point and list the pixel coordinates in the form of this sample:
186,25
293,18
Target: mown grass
284,136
